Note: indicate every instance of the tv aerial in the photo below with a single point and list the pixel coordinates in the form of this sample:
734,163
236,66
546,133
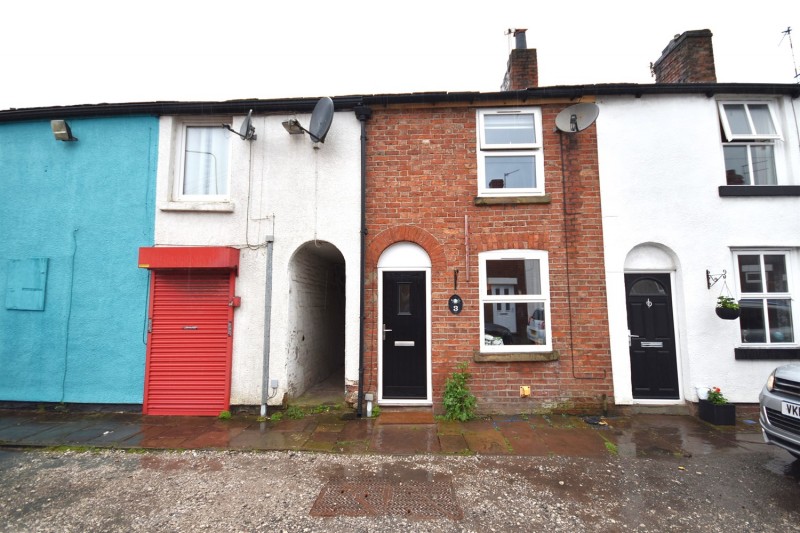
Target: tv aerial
321,119
247,131
577,117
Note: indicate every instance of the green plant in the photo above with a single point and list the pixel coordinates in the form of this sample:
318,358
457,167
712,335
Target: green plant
376,411
294,413
276,417
459,402
726,302
715,396
224,415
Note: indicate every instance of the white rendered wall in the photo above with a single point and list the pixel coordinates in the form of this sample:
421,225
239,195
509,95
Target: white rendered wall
661,165
282,188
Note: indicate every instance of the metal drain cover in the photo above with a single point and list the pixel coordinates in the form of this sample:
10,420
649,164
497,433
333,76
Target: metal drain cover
411,499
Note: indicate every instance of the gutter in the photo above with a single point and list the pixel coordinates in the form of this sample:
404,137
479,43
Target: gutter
306,105
363,113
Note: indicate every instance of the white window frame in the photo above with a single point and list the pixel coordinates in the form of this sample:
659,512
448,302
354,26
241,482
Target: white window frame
753,139
544,275
788,255
181,127
533,150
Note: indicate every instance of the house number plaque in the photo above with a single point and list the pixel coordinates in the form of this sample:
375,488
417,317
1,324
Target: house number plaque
455,303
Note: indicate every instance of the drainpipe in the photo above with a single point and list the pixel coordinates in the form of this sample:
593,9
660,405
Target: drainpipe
363,113
267,324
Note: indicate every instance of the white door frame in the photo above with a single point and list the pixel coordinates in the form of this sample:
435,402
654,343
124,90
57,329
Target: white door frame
405,257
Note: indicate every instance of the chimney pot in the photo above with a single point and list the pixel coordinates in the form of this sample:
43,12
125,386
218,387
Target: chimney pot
520,43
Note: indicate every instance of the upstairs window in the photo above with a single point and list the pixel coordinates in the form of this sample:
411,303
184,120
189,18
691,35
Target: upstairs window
766,304
203,162
510,161
750,133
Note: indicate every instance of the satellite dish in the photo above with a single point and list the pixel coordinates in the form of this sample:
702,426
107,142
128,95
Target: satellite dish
247,132
577,117
321,119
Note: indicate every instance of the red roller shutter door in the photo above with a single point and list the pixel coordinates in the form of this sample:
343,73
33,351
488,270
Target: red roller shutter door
189,345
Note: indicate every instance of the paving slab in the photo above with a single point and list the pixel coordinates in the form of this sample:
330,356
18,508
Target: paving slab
522,437
404,439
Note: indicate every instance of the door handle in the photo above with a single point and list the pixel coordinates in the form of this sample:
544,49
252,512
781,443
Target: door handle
384,331
630,336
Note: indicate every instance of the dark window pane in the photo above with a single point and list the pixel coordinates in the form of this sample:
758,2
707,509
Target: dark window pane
403,298
775,267
751,321
750,273
514,323
647,287
510,172
737,168
780,320
513,276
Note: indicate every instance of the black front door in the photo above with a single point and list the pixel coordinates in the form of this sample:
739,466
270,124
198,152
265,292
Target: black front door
404,334
654,367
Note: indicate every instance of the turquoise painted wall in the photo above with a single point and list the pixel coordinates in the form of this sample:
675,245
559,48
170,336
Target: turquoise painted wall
87,207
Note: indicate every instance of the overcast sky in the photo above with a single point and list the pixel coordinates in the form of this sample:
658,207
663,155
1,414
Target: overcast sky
87,52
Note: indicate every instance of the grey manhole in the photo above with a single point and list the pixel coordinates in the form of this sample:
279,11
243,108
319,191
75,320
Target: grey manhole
370,497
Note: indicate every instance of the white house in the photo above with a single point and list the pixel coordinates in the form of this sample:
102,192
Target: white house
256,263
700,188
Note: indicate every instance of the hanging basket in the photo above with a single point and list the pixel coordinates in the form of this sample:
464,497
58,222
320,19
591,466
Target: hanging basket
726,313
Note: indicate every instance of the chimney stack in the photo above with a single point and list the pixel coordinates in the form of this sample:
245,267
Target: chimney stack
522,70
688,58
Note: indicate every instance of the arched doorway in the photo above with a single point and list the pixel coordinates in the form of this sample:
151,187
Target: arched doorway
316,320
404,325
650,271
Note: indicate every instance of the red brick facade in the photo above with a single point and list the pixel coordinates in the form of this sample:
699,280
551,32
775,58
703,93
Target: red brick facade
422,182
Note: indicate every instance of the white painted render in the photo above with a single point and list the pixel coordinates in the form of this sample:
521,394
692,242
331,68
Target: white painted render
286,188
661,164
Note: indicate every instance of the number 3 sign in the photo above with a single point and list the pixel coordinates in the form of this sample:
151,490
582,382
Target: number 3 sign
455,303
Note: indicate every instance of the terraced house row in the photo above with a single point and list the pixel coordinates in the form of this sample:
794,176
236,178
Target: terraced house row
567,244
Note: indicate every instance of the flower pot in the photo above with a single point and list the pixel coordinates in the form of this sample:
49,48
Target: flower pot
719,415
726,313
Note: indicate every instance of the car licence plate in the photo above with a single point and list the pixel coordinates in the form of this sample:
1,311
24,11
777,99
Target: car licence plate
790,409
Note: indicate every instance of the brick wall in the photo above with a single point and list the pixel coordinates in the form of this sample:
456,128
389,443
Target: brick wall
421,183
689,58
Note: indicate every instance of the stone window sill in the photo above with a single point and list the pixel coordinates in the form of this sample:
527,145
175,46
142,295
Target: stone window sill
519,357
512,200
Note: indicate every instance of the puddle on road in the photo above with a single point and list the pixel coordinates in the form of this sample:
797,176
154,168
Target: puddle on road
787,467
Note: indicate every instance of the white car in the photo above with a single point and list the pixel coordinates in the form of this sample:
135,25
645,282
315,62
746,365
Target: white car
780,408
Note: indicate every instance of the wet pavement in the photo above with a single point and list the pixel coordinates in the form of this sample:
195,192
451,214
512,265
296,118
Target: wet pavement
402,471
640,435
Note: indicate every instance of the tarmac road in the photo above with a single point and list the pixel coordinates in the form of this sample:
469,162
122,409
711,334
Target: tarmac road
748,487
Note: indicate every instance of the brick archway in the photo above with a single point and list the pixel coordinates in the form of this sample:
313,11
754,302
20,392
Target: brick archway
396,234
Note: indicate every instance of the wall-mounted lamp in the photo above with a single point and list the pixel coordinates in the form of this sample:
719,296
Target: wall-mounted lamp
61,130
293,126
